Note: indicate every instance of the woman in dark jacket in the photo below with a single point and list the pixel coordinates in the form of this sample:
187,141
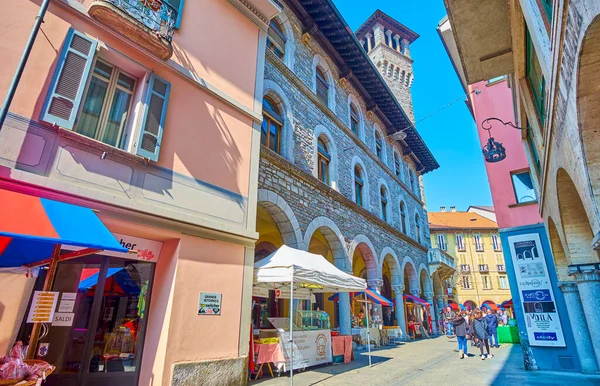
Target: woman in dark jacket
479,329
460,330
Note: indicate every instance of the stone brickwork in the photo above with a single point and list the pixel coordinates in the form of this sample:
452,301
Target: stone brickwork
299,202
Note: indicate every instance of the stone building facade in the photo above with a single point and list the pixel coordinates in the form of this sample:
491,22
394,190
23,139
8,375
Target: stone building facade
551,51
303,200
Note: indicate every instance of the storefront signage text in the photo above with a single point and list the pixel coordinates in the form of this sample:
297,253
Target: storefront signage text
535,290
42,307
209,304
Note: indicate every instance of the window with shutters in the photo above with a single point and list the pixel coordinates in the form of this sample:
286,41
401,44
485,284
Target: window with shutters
486,281
496,242
358,185
378,144
402,217
383,195
460,245
502,282
417,228
441,240
106,106
270,134
93,97
354,119
478,242
466,282
462,258
276,39
323,160
535,78
480,258
322,87
397,165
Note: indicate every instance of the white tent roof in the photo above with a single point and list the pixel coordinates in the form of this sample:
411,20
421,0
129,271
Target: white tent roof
312,271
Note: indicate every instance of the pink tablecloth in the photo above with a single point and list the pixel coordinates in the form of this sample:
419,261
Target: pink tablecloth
342,345
269,353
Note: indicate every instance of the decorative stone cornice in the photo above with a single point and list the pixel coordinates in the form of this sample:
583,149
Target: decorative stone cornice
375,283
254,13
583,276
398,289
326,190
569,286
309,94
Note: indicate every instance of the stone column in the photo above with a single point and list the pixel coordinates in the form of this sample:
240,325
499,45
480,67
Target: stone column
404,47
588,283
397,40
369,47
379,35
432,310
389,38
583,342
400,317
345,313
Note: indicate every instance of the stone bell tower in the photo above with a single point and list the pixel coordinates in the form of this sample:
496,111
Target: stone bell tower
388,44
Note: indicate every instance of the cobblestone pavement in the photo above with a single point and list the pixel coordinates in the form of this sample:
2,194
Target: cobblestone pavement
431,362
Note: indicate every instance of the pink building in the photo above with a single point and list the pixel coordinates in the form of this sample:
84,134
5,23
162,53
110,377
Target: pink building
148,112
512,183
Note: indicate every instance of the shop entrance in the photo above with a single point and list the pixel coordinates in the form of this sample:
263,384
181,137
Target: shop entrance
102,343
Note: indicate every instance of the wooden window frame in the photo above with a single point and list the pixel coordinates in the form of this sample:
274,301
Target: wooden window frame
323,162
358,186
270,119
322,86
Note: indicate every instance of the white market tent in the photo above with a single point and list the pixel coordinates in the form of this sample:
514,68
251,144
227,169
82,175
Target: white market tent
305,270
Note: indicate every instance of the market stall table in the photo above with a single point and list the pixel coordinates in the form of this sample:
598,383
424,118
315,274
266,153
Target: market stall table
392,334
342,345
267,353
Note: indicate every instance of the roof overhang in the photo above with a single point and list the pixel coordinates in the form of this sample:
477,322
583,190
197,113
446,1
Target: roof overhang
322,20
481,30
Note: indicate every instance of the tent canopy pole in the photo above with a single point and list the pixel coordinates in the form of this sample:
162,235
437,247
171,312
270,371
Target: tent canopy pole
292,331
368,329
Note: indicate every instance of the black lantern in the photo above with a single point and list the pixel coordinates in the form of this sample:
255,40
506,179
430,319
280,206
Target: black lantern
493,151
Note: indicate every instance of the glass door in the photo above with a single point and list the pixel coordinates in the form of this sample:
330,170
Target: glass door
102,343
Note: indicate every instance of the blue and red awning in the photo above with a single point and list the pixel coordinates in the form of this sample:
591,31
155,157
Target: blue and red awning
491,305
374,296
30,227
507,303
416,299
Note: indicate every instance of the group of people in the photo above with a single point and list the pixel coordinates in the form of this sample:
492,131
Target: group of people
479,326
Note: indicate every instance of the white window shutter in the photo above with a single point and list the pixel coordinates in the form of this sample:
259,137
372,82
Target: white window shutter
153,123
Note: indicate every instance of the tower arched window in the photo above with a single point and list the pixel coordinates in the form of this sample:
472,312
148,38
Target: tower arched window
323,160
378,145
322,86
276,39
384,202
354,119
358,185
417,228
402,217
270,134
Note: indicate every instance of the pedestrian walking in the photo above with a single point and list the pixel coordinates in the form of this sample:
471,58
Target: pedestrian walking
504,317
492,322
450,316
460,330
479,329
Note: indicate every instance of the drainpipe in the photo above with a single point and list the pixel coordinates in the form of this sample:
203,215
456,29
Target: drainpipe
39,19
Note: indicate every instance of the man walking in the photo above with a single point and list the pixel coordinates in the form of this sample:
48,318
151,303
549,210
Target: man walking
492,323
450,315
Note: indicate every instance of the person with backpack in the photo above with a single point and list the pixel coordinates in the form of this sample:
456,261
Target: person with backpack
492,322
479,330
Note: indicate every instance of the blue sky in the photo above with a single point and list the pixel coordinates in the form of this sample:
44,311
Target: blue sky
450,134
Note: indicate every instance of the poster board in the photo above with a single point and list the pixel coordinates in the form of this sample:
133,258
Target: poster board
311,348
542,321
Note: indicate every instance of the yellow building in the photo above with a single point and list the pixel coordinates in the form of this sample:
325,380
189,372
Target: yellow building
474,242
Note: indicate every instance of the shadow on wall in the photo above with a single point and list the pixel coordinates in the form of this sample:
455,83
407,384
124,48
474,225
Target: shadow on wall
197,151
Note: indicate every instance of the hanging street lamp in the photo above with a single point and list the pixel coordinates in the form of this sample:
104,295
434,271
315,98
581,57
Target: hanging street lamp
493,151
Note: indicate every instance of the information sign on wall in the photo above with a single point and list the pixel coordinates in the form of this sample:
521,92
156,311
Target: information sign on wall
535,290
42,307
209,304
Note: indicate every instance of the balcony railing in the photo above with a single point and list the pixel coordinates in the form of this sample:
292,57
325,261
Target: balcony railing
501,268
436,255
465,268
149,23
483,268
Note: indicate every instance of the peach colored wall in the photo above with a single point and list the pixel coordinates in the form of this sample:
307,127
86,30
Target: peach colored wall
203,138
496,101
13,303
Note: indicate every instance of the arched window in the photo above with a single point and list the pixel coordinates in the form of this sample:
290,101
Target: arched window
354,119
323,160
378,145
402,217
397,165
384,202
417,228
358,185
412,181
322,87
270,134
276,39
